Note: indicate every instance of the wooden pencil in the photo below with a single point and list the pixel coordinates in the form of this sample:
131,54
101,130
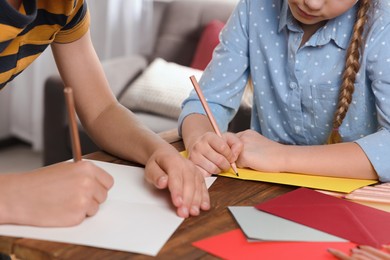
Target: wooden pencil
368,198
76,147
209,114
377,188
371,193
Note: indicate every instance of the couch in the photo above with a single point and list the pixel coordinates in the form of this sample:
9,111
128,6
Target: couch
178,26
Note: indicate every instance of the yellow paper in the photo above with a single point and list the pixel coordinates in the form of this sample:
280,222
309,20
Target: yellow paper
344,185
303,180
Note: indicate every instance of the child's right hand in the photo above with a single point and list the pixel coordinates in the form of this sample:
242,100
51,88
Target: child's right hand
63,194
214,154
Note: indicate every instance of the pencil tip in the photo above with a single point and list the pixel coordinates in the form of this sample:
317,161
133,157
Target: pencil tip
234,167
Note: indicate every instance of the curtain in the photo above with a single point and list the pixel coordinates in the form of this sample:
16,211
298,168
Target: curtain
117,29
114,27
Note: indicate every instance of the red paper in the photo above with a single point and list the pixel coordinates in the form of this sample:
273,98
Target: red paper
349,220
233,245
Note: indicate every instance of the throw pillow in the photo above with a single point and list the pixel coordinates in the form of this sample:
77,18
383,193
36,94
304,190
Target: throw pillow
160,89
206,45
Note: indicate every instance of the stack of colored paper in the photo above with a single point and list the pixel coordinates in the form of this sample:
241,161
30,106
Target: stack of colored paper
300,224
354,222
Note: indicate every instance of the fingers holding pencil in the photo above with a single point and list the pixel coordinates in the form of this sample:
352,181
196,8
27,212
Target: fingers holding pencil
214,154
229,154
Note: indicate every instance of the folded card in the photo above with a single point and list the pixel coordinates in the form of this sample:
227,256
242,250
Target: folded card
262,226
355,222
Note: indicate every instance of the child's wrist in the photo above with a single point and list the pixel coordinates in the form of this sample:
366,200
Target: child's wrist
285,158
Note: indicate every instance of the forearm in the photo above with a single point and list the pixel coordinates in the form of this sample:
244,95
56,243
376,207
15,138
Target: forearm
113,127
118,131
339,160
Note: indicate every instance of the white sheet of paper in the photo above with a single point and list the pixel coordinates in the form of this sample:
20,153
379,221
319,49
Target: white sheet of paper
261,226
136,217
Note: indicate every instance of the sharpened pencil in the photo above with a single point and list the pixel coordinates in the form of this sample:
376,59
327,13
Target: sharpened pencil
76,147
209,114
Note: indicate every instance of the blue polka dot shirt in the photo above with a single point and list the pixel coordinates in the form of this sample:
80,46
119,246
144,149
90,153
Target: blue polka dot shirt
296,87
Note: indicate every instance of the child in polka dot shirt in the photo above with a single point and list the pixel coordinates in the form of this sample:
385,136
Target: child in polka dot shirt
320,76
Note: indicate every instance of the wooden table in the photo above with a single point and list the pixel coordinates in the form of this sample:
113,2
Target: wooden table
224,192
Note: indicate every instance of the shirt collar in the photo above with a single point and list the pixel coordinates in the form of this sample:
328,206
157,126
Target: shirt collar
10,16
283,15
338,29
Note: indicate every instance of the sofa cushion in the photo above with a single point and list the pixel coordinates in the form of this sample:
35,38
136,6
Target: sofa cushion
160,89
182,25
206,45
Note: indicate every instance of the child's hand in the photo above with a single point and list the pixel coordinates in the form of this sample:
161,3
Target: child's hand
58,195
214,154
259,152
362,253
166,168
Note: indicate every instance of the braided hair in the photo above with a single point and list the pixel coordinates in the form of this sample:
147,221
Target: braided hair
352,66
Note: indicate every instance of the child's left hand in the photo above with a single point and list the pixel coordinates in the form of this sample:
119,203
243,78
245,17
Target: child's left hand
166,168
260,153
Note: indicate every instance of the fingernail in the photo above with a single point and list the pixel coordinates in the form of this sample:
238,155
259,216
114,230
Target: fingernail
205,205
185,212
162,181
194,210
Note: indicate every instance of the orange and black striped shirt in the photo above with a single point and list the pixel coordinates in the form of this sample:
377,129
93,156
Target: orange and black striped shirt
27,32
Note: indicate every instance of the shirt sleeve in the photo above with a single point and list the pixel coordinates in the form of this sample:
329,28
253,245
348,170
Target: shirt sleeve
224,79
77,23
377,148
377,145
